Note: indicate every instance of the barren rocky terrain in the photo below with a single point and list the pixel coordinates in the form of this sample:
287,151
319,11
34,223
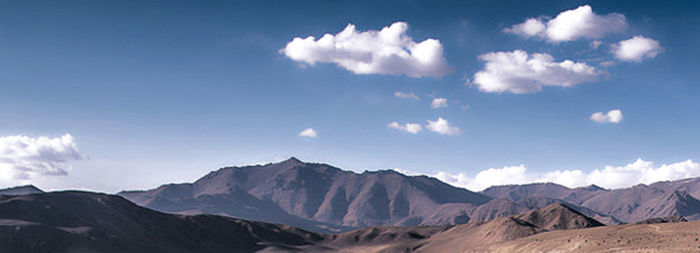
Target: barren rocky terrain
79,222
666,237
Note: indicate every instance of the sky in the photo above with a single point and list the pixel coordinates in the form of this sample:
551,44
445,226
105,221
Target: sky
117,95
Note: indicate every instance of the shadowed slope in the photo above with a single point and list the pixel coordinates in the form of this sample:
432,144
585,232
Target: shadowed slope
558,216
90,222
534,203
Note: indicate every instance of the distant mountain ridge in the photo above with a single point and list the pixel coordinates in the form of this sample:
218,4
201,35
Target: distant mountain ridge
317,197
20,190
634,204
320,197
549,190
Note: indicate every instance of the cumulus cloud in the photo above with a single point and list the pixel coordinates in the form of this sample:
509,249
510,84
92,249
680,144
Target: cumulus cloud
486,178
570,25
613,116
23,157
519,72
413,128
643,172
441,126
309,133
611,177
636,49
438,103
531,27
570,178
405,95
387,51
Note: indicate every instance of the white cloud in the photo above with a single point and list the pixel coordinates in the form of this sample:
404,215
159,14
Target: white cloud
388,51
517,72
531,27
309,132
636,49
596,44
405,95
642,172
441,126
438,103
569,25
570,178
486,178
611,177
413,128
613,116
23,158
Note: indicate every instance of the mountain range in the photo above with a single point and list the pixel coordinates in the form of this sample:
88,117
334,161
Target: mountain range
637,203
322,198
316,197
77,222
313,207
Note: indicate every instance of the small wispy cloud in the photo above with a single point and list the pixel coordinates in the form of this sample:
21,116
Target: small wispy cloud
413,128
406,95
613,116
309,133
442,126
438,103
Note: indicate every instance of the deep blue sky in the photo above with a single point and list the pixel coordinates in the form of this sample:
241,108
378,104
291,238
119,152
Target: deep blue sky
165,91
